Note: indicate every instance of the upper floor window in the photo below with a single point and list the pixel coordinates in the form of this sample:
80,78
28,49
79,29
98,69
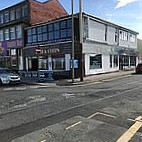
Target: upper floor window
56,26
69,23
50,27
123,35
44,29
6,17
39,30
12,15
51,32
24,10
132,38
19,31
1,35
18,13
29,32
63,24
116,35
6,33
1,19
12,33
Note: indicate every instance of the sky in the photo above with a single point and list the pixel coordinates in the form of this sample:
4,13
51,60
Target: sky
127,13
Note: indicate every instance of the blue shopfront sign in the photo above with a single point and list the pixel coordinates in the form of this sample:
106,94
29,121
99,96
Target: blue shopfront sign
75,64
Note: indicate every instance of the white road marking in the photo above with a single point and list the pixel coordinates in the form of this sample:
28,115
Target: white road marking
73,125
7,89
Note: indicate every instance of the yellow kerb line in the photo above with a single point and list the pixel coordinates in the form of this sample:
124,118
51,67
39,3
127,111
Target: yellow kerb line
131,131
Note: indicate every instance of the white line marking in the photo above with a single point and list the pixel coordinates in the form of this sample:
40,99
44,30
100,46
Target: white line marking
7,89
71,126
108,115
43,141
97,113
91,116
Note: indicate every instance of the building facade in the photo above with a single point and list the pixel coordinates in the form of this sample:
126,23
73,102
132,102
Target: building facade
13,21
106,47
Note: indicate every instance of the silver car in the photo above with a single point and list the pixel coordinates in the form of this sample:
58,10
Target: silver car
8,76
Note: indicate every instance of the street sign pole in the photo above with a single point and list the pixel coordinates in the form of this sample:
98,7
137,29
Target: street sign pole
72,41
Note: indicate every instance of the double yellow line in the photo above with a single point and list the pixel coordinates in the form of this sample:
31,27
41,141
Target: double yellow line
131,131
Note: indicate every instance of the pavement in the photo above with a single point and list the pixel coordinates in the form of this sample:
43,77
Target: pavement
86,80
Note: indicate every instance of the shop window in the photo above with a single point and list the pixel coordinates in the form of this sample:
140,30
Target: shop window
132,61
1,19
1,35
58,63
18,13
13,61
96,62
115,61
43,64
63,24
6,33
19,31
12,33
64,33
6,17
110,61
126,60
12,15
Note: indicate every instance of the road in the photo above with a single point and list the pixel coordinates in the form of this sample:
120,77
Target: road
107,111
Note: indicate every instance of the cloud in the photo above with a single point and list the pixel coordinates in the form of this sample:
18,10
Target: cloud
122,3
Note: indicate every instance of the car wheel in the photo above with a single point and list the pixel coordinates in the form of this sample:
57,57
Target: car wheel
0,82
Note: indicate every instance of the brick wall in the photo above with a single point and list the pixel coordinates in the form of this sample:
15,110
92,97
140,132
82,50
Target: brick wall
41,12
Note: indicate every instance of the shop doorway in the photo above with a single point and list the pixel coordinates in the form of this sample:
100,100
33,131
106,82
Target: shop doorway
34,64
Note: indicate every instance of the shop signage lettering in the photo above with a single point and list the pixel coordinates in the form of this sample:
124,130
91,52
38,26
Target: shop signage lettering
51,51
15,44
47,51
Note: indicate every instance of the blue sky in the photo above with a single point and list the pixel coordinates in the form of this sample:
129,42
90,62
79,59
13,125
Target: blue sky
127,13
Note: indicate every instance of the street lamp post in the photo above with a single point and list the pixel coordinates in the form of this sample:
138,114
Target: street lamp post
81,40
72,41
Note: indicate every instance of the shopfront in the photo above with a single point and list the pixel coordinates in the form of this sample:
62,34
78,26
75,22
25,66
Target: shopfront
56,58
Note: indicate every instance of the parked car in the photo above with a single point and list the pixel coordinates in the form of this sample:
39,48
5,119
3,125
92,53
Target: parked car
7,76
138,68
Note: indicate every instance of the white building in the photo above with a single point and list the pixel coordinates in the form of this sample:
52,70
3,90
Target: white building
107,47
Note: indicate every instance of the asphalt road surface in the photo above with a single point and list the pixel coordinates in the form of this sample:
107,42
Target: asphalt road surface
109,111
